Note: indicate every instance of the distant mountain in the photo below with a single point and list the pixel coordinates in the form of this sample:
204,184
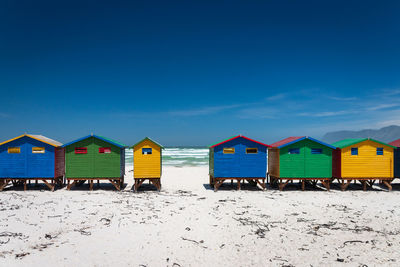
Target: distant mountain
385,134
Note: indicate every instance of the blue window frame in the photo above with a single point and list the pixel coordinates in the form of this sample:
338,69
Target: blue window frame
147,151
294,150
379,151
316,150
354,151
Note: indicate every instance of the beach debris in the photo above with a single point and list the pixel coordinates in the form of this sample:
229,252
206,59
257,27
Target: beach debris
187,229
351,242
340,260
105,221
83,231
21,255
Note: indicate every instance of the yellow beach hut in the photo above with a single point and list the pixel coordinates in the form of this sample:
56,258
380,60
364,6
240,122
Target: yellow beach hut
365,160
147,163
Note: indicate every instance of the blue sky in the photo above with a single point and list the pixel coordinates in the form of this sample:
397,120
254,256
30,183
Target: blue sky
195,72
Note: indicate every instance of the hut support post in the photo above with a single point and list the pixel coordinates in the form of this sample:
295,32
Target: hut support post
388,185
303,183
50,186
4,183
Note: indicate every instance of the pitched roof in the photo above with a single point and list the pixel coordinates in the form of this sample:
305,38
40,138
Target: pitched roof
235,137
395,143
352,141
149,139
120,145
38,137
295,139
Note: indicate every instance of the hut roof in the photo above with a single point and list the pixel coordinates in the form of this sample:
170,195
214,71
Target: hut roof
352,141
120,145
38,137
235,137
149,139
295,139
395,143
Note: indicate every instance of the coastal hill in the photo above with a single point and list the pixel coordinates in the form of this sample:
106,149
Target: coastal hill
385,134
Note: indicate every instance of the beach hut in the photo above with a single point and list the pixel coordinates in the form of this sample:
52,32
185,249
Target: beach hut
301,158
238,158
31,157
396,158
147,163
365,160
94,157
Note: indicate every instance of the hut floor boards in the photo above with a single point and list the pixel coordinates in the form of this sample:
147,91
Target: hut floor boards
139,181
218,181
51,183
281,182
116,182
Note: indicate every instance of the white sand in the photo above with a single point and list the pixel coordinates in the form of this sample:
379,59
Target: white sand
186,224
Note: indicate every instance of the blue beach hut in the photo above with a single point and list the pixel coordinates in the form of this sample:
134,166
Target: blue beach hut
31,157
238,158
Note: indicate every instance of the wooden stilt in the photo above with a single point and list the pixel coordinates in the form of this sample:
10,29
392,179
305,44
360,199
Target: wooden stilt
24,185
91,185
303,183
51,187
388,185
115,185
71,185
282,185
238,182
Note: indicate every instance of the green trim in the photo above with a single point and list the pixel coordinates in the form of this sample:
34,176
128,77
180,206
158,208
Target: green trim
352,141
147,138
222,141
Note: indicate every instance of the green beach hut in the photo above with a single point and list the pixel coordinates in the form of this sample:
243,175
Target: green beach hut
94,157
300,158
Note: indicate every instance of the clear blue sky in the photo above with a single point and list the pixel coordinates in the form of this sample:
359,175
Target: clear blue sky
192,73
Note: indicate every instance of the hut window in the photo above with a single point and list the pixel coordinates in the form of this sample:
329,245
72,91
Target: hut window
354,151
251,150
80,150
379,151
316,150
14,150
104,150
38,150
229,150
147,151
294,150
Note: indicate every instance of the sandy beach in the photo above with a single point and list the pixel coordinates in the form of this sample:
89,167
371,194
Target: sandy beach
188,224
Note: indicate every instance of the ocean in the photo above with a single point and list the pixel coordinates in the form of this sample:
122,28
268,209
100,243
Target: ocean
178,156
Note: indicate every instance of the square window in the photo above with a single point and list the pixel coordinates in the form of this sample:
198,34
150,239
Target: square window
14,150
294,150
104,150
354,151
316,150
38,150
229,150
147,151
379,151
80,150
251,150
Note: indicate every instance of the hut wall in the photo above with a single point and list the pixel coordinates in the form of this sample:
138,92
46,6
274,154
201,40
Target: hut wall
240,164
147,165
106,164
92,164
367,164
397,163
211,161
27,164
60,162
306,164
273,162
336,163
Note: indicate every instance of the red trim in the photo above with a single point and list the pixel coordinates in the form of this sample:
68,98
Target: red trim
233,138
104,150
80,150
